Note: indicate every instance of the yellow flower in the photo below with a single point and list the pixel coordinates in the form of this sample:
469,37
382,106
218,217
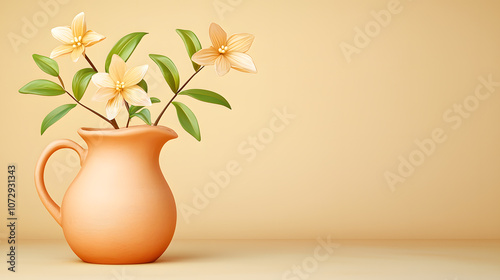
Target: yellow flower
75,38
226,53
120,85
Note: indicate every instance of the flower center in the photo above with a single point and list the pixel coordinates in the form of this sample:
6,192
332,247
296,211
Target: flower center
77,41
119,86
222,49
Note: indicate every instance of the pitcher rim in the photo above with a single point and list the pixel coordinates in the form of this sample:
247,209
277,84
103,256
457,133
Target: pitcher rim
90,131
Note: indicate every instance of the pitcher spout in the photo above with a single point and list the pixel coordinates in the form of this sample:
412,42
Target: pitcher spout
167,133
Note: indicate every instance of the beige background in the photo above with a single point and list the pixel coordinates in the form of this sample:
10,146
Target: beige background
324,172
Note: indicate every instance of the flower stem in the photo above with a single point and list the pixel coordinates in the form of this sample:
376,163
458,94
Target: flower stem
90,62
175,95
61,81
128,119
112,122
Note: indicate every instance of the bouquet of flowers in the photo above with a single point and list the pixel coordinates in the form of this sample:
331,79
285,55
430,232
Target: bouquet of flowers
123,87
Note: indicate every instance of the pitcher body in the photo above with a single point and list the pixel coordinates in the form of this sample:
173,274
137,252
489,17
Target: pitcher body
119,209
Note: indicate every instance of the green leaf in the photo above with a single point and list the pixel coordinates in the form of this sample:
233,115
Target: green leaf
144,115
188,120
143,85
124,47
206,96
133,109
48,65
81,81
56,115
42,87
192,44
168,69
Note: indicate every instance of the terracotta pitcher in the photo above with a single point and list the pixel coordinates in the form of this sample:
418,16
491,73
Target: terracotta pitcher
119,209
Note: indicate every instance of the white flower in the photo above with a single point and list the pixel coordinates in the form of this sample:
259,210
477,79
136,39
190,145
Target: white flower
120,86
226,53
75,38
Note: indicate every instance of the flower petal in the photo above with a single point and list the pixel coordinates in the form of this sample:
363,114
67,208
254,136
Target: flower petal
105,94
114,106
78,26
77,52
91,37
134,75
206,56
222,65
61,50
117,68
241,62
240,42
63,34
103,80
217,35
135,95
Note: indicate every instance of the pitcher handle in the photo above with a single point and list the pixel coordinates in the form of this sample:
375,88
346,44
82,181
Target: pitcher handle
47,201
